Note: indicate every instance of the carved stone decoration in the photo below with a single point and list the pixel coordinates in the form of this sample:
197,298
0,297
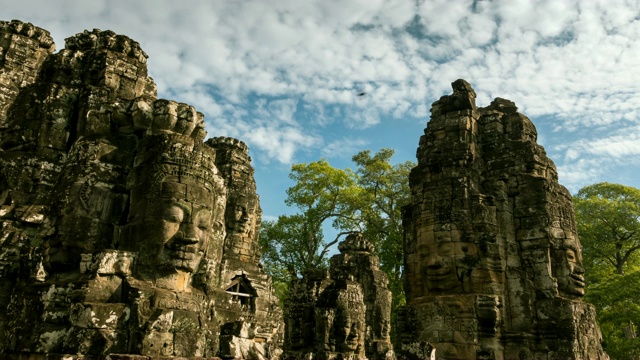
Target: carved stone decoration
114,214
493,267
349,307
240,253
340,321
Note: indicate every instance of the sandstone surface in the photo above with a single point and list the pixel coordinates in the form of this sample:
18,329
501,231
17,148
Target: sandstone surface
493,263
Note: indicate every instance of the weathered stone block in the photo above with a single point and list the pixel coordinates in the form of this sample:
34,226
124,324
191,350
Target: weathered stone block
99,316
158,344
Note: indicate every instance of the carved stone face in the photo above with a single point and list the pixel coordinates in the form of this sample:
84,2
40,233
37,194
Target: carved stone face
240,216
385,329
178,231
172,229
568,270
349,327
83,226
76,235
446,261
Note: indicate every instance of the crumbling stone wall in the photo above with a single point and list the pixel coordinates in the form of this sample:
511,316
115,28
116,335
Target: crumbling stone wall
493,266
114,213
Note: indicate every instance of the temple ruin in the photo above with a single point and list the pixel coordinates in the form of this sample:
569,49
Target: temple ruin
125,234
122,231
493,264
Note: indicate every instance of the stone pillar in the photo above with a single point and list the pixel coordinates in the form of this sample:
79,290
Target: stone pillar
240,263
113,215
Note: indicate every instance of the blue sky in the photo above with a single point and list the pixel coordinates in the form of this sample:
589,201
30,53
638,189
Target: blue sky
284,76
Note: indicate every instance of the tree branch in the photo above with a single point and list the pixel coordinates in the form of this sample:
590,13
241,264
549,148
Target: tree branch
330,244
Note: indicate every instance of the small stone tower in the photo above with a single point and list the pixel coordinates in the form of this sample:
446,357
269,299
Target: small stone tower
349,307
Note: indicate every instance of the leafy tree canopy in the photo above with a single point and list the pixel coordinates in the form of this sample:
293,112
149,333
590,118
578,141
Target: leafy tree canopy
368,200
608,218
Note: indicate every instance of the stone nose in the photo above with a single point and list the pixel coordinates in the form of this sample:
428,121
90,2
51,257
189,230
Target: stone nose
434,260
188,233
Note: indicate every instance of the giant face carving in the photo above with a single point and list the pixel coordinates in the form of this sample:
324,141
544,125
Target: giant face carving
172,210
349,331
447,261
174,229
241,219
349,321
178,231
240,216
568,270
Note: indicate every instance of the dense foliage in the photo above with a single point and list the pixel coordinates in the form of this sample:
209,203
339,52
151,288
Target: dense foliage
608,219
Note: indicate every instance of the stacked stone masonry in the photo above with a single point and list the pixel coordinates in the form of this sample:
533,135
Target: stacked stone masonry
121,230
493,264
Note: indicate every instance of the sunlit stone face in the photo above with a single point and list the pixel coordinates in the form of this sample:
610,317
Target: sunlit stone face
178,231
170,225
241,221
446,261
240,216
568,269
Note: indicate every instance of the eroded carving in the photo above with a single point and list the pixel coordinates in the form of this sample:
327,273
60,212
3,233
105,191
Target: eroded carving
349,308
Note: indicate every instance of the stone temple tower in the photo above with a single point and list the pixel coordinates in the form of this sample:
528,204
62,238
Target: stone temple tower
121,230
493,265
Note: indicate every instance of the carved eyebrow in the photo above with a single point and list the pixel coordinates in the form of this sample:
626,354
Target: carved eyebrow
184,206
571,247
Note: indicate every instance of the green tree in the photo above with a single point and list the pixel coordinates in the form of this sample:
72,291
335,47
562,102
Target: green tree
617,300
367,200
295,243
608,218
385,189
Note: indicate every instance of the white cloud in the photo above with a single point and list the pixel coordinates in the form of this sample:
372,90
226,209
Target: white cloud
343,147
576,174
573,60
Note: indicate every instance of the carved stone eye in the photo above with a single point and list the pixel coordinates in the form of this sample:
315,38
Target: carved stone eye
173,214
202,225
